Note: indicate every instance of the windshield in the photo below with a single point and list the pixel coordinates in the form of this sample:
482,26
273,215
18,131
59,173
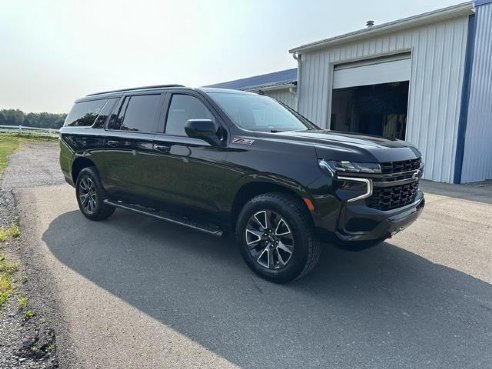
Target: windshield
259,113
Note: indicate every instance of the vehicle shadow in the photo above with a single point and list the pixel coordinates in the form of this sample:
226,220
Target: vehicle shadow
382,307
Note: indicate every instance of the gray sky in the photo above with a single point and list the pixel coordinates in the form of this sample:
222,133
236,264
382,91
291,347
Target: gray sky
52,52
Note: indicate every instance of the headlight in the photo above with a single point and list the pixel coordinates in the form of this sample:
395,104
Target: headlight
344,166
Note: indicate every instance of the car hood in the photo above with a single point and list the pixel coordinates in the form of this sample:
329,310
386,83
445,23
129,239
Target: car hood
332,145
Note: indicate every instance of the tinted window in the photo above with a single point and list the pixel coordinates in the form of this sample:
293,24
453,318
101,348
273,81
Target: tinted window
137,113
182,108
103,115
259,113
84,113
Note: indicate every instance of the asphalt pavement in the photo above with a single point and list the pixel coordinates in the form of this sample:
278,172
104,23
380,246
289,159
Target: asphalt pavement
137,292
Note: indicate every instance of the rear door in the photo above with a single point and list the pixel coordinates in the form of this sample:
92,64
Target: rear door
189,173
129,140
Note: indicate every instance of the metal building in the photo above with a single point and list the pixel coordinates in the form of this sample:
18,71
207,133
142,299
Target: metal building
279,85
426,79
475,150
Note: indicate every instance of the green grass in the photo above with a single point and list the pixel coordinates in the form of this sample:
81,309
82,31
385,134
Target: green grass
28,314
50,348
22,302
13,231
9,142
6,288
7,269
29,136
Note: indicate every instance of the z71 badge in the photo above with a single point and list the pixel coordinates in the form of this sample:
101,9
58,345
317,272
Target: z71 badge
242,141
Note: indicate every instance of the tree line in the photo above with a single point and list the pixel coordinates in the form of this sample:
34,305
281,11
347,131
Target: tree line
16,117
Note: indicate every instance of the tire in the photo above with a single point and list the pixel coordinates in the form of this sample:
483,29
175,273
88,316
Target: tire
287,248
90,195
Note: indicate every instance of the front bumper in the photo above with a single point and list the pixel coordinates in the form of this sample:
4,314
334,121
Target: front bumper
357,222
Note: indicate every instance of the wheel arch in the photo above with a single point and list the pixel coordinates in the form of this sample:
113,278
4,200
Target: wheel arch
253,189
79,164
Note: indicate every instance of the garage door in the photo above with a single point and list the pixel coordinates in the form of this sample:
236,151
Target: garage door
396,68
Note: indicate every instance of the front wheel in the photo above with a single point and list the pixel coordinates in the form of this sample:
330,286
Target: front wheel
90,195
276,237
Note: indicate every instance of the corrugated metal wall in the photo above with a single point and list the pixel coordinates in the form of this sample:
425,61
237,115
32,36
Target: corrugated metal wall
477,160
438,55
284,96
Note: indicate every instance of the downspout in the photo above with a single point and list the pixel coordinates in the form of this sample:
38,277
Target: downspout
297,57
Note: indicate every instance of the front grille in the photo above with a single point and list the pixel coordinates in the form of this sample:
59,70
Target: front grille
387,198
400,166
393,197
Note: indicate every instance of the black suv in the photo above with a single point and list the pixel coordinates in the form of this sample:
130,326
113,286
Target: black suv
222,160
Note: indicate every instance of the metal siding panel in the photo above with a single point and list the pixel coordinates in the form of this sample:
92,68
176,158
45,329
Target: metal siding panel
441,145
441,166
438,53
311,76
477,161
323,88
413,130
322,81
455,92
317,103
284,96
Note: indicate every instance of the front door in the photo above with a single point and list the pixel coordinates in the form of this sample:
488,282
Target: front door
190,173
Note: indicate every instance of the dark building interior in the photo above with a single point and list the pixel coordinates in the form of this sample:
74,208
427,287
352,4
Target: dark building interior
375,109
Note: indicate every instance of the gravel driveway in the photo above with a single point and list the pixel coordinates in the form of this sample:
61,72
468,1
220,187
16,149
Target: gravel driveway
137,292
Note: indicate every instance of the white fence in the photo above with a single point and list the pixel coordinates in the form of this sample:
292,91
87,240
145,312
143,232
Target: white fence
30,130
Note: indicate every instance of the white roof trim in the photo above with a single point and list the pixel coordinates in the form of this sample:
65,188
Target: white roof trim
283,86
463,9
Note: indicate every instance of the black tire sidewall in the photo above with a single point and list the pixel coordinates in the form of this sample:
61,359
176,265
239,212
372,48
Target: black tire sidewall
92,174
299,228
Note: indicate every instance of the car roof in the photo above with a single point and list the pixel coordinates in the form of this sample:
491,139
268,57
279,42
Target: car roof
120,92
225,90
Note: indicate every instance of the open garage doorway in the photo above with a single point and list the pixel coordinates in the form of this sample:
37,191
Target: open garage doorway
371,96
376,109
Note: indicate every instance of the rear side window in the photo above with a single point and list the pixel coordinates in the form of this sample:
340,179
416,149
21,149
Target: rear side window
84,113
182,108
137,113
103,114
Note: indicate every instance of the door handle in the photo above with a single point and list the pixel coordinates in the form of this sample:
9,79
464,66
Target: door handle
161,148
112,143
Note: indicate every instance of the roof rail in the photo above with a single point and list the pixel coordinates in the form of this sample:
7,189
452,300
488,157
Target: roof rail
135,88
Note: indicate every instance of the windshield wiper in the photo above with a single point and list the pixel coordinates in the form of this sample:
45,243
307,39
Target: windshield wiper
275,131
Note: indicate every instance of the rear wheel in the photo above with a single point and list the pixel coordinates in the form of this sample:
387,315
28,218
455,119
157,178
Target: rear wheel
90,195
276,237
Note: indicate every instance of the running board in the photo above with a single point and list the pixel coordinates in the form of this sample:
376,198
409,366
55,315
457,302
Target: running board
215,231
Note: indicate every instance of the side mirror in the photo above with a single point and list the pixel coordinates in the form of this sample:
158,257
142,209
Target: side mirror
204,129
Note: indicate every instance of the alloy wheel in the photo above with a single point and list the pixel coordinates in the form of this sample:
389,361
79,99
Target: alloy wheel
88,194
269,239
